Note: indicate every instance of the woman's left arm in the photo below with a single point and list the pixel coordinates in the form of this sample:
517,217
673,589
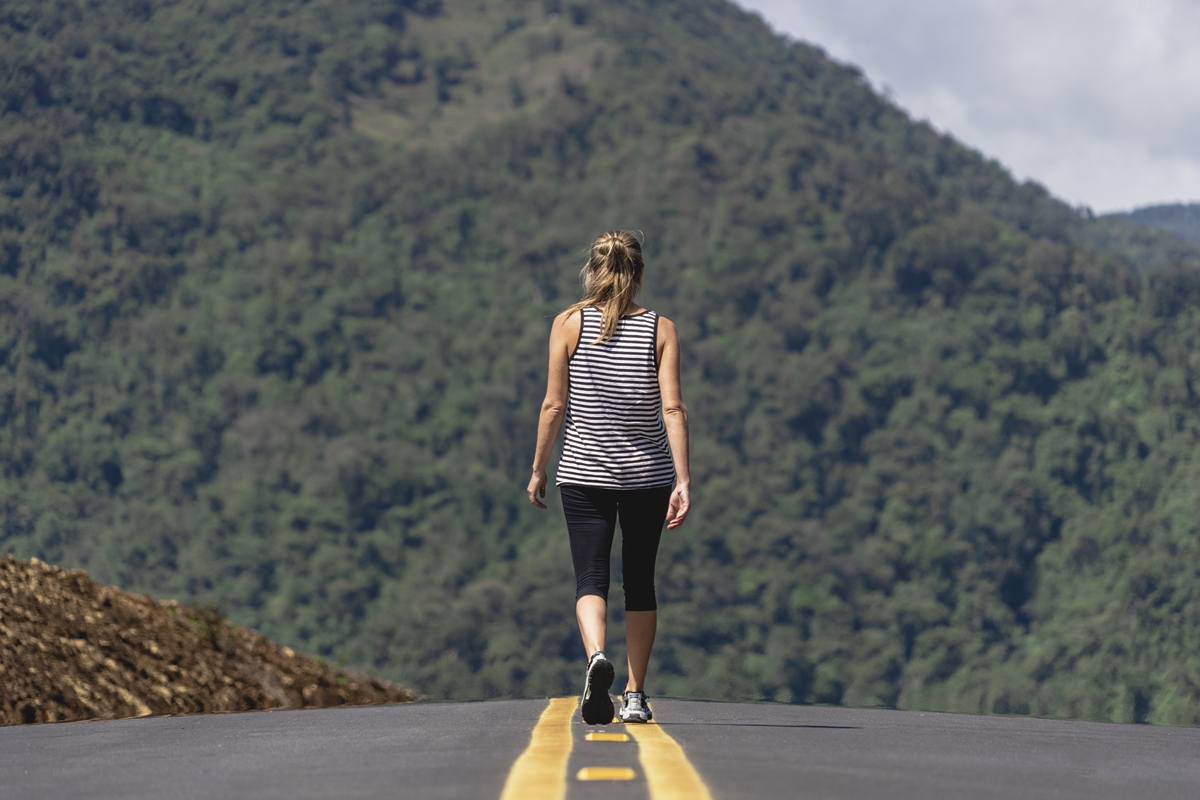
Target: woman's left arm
675,419
563,336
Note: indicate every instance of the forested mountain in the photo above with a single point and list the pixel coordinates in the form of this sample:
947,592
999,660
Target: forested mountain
276,279
1181,219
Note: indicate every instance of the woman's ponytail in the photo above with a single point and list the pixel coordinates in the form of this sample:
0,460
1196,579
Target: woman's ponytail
612,278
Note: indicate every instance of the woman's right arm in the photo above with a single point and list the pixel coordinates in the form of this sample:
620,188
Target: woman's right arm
564,335
675,418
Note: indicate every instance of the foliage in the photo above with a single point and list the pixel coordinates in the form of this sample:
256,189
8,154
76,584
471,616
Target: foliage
275,282
1151,248
1181,219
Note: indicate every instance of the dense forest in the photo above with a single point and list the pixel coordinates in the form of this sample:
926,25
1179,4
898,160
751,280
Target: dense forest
276,279
1181,219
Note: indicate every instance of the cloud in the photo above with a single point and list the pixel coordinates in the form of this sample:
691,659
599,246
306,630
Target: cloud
1097,100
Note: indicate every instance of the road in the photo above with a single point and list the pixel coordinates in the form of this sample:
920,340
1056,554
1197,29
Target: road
468,750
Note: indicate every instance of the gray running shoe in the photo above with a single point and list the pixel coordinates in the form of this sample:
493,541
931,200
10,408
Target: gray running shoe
597,706
635,708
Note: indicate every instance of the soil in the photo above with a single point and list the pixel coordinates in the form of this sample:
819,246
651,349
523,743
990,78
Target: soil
72,649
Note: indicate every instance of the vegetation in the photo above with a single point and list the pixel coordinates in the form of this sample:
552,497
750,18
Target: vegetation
1181,219
275,284
1149,249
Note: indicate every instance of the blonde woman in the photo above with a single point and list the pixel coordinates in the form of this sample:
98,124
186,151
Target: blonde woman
614,385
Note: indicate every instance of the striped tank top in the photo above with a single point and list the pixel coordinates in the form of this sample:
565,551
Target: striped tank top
614,436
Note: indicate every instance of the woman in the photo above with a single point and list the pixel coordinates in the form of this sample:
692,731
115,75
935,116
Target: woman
613,366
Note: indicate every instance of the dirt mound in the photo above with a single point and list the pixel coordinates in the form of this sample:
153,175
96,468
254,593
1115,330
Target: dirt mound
73,649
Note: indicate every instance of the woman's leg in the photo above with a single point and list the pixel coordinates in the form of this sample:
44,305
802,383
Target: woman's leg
643,513
592,613
640,627
591,522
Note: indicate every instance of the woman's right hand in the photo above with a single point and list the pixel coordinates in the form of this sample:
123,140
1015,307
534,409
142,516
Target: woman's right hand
537,486
678,506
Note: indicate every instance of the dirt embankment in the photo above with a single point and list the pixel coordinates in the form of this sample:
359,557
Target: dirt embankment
72,649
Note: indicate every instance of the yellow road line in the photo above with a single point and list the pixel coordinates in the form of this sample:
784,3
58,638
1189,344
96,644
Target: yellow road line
668,772
605,774
540,773
597,736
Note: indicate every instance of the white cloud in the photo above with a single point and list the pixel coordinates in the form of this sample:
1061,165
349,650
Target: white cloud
1098,100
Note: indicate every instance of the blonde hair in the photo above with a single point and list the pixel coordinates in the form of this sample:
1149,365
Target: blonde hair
612,278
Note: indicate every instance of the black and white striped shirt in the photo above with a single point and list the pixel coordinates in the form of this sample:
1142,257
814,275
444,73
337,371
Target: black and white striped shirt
614,435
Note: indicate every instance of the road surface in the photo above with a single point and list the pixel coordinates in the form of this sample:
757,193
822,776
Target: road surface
470,750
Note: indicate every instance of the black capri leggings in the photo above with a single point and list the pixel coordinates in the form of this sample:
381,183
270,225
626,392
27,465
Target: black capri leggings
591,522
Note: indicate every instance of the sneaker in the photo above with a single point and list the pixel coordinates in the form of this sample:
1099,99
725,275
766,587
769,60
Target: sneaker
634,708
597,706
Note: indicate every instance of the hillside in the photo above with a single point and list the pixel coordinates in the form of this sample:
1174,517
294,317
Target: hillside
1181,219
275,282
72,649
1151,250
1153,239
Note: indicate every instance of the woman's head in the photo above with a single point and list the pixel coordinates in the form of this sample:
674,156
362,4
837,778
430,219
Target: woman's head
612,278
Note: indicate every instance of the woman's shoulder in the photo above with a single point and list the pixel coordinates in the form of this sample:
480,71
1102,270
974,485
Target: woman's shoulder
569,319
567,327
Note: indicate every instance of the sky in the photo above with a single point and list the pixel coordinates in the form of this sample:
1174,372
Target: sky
1098,100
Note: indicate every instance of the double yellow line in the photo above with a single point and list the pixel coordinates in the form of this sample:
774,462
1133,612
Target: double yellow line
540,773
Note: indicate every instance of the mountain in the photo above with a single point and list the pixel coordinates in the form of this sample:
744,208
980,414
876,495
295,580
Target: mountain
1155,239
276,280
1181,219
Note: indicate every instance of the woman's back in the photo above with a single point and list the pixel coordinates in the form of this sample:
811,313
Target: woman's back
614,435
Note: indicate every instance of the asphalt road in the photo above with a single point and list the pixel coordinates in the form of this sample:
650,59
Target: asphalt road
776,751
465,750
457,750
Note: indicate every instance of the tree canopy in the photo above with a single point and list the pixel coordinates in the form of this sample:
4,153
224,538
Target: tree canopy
1181,219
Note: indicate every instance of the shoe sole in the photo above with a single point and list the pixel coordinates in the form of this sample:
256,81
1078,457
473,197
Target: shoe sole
597,705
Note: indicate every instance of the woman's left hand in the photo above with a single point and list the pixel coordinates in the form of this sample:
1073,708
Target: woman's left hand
537,486
678,506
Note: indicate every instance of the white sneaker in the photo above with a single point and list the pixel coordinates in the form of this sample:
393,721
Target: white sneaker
634,708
